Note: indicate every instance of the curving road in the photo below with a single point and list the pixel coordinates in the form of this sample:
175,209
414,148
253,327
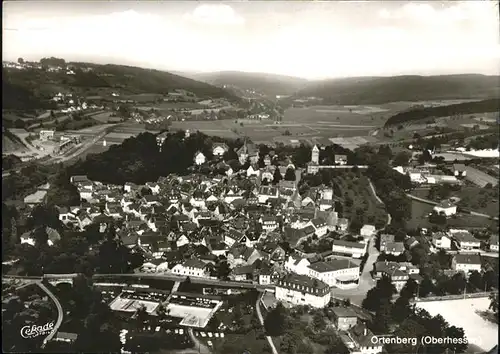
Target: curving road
389,217
261,319
59,313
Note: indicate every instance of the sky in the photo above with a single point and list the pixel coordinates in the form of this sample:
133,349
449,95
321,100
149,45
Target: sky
313,40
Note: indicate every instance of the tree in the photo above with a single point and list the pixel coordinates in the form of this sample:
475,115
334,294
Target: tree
409,289
475,281
380,294
223,270
402,158
290,174
458,334
276,321
142,316
319,322
277,176
20,60
494,303
401,309
382,319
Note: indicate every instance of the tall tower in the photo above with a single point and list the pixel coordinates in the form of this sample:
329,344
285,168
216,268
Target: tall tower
315,155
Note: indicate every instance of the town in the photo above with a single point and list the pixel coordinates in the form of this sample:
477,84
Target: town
250,177
266,235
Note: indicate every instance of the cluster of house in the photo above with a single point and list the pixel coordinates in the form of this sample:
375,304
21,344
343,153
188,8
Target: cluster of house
21,65
236,219
426,174
466,259
72,103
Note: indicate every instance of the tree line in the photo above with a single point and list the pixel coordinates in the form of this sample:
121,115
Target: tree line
490,105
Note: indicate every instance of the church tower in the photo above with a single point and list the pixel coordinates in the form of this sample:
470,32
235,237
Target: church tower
315,155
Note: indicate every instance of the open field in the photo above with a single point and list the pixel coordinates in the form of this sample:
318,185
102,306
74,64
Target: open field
480,332
479,177
172,105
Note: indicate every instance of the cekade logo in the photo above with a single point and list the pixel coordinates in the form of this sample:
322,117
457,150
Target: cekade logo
35,331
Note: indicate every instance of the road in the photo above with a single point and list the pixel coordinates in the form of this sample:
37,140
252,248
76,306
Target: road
261,319
389,217
59,313
202,348
366,281
427,201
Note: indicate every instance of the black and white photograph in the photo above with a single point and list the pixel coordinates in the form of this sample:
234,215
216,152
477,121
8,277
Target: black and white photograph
250,177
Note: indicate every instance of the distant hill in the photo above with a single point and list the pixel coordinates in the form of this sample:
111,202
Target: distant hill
268,84
33,86
492,105
379,90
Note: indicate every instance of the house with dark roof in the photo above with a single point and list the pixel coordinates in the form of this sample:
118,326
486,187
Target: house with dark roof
398,273
242,273
303,290
344,318
320,226
394,248
459,170
446,207
359,340
466,262
192,268
241,254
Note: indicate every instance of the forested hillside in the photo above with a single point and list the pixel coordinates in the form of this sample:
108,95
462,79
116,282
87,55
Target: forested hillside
492,105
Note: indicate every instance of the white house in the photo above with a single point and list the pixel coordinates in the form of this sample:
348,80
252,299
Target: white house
367,231
441,240
303,290
446,207
320,226
199,158
465,240
340,160
191,267
493,242
360,340
155,265
341,273
269,223
297,265
354,249
466,262
219,149
253,171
